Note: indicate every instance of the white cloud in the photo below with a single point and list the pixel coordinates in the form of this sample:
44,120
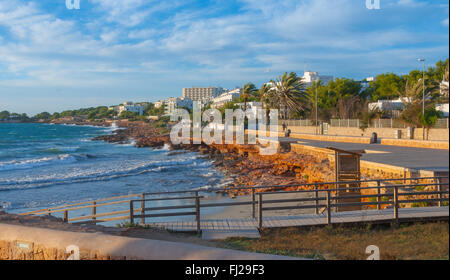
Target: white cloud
445,22
116,49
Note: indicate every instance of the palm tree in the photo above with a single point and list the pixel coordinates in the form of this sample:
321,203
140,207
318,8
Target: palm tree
413,92
445,85
264,94
412,97
289,93
248,91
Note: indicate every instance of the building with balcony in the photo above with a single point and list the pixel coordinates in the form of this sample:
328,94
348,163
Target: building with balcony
225,97
202,94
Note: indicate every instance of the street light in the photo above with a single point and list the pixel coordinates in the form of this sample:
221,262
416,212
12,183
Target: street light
317,132
423,93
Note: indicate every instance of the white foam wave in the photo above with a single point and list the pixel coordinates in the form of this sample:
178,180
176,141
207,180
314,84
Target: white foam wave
92,175
31,163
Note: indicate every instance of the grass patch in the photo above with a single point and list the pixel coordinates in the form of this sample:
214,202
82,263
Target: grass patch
419,188
409,241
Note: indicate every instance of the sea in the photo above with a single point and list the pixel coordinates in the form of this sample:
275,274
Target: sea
48,165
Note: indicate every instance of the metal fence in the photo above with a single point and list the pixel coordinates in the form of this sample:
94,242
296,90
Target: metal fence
345,123
297,122
376,123
441,123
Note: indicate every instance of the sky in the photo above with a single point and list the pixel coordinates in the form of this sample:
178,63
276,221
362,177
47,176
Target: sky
53,58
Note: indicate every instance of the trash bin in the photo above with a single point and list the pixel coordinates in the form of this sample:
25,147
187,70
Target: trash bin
410,133
374,138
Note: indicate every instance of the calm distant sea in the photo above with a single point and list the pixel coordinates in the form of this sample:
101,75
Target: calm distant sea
43,165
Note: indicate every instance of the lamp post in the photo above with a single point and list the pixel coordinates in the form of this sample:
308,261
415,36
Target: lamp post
317,115
423,94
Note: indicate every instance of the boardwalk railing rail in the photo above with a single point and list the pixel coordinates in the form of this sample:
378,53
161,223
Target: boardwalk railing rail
324,198
392,199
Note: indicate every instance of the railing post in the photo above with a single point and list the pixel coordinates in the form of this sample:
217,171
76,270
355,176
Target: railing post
131,212
379,195
253,203
328,207
197,212
48,212
260,211
94,212
143,208
439,187
316,194
66,216
396,206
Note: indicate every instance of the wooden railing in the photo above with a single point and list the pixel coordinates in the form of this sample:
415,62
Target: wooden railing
324,199
394,200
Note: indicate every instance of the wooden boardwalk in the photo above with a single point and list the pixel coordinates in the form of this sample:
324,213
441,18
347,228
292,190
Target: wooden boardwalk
249,227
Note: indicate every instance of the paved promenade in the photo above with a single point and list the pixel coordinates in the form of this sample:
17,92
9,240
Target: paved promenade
414,158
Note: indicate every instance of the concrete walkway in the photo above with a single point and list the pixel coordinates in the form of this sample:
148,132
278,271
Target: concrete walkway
413,158
39,243
246,227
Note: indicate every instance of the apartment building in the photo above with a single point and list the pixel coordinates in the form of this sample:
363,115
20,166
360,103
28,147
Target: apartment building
225,98
202,94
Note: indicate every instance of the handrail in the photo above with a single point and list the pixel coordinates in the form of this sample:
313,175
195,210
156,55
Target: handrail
254,202
235,188
396,202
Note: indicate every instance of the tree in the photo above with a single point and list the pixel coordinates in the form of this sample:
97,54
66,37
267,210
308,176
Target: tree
289,93
429,119
413,92
345,99
444,86
4,115
128,115
42,116
413,100
264,95
386,86
248,91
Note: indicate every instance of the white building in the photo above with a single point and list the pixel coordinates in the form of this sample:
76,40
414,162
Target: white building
366,83
175,102
129,106
310,77
443,108
202,94
225,98
388,105
444,87
159,104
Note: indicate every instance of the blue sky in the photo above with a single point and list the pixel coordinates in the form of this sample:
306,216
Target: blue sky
52,58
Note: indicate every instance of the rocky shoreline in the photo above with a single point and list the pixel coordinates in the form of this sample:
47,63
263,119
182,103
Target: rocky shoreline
242,163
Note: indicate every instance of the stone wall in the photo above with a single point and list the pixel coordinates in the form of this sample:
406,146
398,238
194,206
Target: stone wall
26,250
32,243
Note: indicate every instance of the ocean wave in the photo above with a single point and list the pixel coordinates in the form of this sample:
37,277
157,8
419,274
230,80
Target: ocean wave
32,163
213,187
131,143
94,175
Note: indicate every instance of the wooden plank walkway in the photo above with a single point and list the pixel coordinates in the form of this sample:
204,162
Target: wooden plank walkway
249,227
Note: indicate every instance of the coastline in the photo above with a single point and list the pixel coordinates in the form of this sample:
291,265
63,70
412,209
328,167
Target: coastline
240,169
245,169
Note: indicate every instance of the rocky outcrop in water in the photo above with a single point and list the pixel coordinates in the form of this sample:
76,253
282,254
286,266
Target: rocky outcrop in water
241,162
